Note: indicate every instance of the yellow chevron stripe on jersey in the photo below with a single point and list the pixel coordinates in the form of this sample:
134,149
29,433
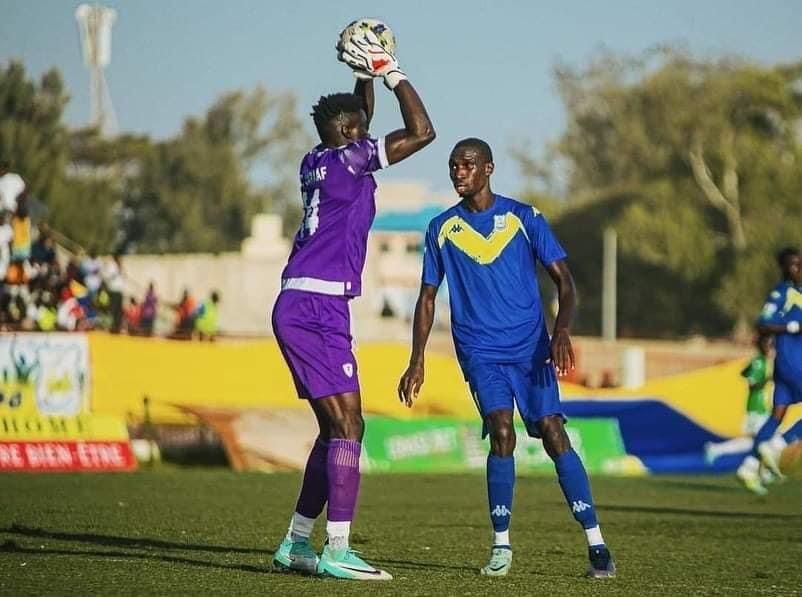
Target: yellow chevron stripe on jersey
481,249
792,298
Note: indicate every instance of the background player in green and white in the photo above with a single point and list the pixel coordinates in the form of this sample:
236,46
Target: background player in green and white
757,374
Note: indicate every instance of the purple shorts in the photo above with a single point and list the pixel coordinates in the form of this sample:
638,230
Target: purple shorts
314,334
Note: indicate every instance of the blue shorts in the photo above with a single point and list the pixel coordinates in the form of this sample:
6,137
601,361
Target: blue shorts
787,389
500,386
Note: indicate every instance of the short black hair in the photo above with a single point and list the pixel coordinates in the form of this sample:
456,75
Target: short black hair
478,144
784,255
329,107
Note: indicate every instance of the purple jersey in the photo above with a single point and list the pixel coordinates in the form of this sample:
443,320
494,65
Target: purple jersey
337,189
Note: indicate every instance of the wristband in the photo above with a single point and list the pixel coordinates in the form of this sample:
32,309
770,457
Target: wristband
393,78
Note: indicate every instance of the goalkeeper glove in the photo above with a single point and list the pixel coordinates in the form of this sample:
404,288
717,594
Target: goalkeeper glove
365,54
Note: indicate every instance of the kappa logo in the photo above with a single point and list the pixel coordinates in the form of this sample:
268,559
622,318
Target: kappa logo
579,506
500,510
456,228
348,369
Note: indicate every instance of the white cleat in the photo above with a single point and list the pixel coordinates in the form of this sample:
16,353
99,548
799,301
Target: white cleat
769,452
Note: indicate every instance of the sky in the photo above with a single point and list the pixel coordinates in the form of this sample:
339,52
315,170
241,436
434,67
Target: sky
483,68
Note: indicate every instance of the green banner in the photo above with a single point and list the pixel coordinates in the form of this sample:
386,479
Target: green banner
440,444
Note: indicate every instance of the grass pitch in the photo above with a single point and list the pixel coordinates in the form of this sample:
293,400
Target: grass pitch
213,532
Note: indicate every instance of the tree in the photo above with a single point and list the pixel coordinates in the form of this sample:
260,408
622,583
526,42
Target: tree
193,192
189,193
708,155
33,138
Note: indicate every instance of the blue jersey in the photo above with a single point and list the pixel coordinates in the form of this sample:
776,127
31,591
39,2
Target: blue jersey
784,305
489,260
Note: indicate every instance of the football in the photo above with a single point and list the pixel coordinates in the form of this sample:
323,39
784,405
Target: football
791,460
381,30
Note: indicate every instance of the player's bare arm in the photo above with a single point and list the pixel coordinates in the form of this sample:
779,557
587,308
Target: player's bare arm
418,130
364,88
773,328
412,379
562,353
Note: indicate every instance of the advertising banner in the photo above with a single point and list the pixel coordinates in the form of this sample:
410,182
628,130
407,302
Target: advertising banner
448,445
52,443
45,423
280,440
45,374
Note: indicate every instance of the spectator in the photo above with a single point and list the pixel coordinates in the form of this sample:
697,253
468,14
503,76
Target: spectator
43,250
132,313
6,234
206,318
147,317
113,280
46,315
12,188
43,261
91,268
21,229
184,316
73,269
70,315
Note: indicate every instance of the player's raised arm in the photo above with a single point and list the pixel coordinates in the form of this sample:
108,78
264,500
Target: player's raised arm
562,353
418,131
364,89
412,379
367,56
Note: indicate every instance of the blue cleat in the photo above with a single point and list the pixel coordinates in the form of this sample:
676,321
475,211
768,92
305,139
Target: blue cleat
601,562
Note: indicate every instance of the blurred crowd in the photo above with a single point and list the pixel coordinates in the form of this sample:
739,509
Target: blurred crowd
42,292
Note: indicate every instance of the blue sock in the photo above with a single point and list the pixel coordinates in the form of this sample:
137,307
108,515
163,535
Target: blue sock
764,433
576,488
500,484
794,432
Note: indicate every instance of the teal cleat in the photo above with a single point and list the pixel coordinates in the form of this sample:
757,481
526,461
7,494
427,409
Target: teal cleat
500,561
295,556
345,564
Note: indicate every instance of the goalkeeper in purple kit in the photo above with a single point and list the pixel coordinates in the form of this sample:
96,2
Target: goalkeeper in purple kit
311,318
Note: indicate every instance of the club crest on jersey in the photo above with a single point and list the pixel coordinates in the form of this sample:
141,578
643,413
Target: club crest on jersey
499,222
348,369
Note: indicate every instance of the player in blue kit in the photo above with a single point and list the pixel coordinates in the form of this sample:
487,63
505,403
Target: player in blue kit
488,247
781,316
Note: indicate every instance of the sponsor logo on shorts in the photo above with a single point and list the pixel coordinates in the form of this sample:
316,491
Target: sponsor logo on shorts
348,369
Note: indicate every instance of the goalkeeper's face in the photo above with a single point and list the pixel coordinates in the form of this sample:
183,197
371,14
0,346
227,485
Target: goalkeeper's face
353,126
469,171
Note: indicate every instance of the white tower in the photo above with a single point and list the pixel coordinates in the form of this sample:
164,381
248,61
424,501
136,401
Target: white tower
94,27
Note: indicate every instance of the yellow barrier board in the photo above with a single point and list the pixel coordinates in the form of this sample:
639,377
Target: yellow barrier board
252,374
34,427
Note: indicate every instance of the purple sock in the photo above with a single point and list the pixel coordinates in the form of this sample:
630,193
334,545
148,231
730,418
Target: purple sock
343,473
315,488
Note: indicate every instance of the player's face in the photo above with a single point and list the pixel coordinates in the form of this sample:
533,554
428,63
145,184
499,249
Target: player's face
355,126
469,171
793,269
